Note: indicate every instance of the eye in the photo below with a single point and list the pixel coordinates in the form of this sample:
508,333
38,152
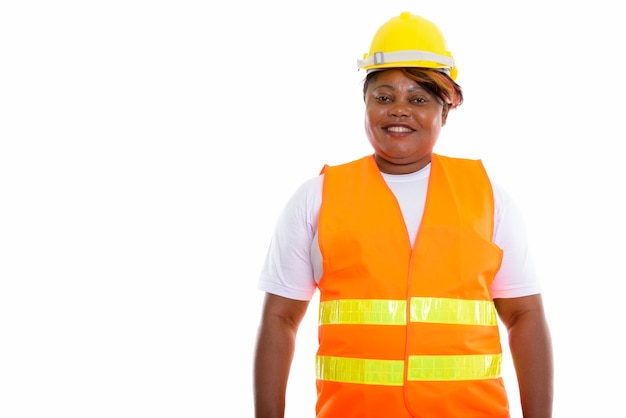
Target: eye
383,98
419,100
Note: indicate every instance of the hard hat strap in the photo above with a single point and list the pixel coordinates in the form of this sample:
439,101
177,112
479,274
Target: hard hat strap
380,58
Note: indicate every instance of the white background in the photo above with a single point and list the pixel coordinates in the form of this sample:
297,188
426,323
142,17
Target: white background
147,148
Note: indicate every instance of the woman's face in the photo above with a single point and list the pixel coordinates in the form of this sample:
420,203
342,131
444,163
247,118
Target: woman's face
402,122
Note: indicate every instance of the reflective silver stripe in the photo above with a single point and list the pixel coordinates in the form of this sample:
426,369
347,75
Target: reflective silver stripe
421,368
400,57
358,370
393,312
453,311
463,367
363,311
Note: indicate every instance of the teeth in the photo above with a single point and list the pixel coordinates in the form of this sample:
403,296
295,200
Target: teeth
399,129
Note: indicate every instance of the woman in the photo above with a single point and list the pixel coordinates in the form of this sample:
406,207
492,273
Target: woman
414,254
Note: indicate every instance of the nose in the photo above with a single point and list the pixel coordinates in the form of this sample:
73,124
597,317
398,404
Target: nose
400,110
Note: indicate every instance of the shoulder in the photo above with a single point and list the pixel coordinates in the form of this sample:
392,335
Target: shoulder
449,160
303,205
309,190
505,204
355,166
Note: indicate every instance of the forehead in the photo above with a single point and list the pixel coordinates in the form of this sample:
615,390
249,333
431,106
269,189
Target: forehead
394,79
391,77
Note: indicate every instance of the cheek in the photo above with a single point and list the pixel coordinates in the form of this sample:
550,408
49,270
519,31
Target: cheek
369,129
432,120
370,118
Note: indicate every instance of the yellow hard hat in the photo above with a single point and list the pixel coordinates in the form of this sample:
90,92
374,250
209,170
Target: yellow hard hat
409,41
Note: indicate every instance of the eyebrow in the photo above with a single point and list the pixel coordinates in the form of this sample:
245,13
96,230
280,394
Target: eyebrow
390,87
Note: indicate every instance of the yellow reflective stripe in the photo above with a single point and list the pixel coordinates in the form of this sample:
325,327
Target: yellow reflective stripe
392,312
421,368
363,311
471,367
453,311
363,371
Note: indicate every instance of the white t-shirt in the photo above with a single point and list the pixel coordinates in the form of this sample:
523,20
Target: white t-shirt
293,264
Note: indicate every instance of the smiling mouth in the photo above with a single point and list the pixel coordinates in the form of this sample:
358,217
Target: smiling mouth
400,129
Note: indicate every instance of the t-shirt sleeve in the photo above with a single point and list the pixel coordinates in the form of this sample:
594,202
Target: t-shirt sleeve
287,270
517,276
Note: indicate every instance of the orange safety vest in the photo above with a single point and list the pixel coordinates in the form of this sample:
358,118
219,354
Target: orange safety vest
408,332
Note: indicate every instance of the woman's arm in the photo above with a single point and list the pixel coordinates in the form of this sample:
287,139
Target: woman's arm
275,346
531,348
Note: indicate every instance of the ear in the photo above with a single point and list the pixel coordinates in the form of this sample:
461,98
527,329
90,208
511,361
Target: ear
444,114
